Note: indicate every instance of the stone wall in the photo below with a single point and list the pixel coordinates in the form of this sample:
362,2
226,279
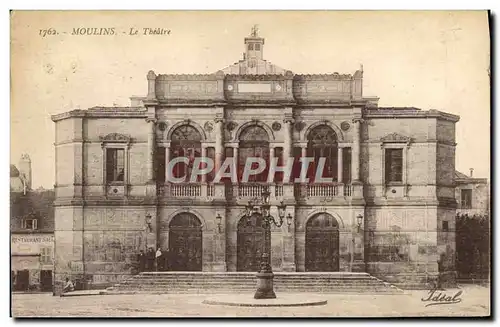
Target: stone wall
402,243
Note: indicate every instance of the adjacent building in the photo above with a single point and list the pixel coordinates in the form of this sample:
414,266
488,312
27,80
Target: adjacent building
31,232
472,194
390,210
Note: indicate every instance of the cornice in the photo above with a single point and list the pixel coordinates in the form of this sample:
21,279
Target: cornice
189,77
49,232
182,102
138,112
323,77
266,77
409,113
471,180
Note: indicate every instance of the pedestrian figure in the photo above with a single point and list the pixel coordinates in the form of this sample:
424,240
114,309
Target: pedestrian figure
159,258
142,261
69,287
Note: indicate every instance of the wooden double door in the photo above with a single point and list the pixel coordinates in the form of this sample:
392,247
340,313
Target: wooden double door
252,243
322,244
185,243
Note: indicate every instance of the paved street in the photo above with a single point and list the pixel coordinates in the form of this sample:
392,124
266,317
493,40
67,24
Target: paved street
474,302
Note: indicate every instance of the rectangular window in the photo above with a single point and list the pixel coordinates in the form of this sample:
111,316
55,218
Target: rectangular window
346,165
115,165
46,255
393,165
160,165
445,226
257,47
466,199
31,224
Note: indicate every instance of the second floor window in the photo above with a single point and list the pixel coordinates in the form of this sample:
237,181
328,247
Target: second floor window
394,165
115,165
46,255
466,199
31,224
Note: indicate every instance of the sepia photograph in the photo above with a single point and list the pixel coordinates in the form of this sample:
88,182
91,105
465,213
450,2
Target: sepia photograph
180,164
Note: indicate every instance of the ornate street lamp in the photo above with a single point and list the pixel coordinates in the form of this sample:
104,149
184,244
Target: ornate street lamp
265,289
360,221
218,218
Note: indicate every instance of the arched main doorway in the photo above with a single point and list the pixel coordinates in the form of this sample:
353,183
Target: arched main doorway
185,243
251,243
322,243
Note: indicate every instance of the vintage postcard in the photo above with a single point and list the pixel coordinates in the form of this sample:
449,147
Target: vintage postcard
250,164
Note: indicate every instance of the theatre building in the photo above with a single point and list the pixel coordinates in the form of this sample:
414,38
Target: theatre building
391,172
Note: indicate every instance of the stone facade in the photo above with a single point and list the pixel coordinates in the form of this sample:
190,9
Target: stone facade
391,229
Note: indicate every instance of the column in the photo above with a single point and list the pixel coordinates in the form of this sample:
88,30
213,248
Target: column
303,152
203,155
126,167
167,161
219,150
235,160
340,165
303,186
356,150
151,144
271,189
287,145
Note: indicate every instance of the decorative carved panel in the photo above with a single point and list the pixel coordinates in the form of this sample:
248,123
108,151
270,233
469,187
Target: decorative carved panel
115,138
395,138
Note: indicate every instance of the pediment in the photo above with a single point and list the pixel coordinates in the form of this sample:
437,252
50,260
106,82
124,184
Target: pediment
395,138
115,138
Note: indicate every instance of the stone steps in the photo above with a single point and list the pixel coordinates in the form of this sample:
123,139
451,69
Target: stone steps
237,282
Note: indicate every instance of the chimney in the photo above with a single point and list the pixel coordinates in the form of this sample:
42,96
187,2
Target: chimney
471,171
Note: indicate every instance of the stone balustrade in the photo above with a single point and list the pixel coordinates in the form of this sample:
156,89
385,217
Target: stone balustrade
254,190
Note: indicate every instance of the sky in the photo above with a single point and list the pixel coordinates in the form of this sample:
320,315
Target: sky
429,60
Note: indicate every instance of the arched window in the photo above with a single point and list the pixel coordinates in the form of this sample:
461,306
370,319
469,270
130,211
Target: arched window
185,142
254,142
322,143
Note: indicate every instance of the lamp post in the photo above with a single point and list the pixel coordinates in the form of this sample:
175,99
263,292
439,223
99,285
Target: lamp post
265,276
218,218
359,223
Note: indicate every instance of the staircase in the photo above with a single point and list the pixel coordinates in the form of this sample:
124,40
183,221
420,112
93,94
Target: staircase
245,282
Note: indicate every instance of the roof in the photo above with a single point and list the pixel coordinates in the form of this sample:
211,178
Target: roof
459,175
14,172
262,67
464,179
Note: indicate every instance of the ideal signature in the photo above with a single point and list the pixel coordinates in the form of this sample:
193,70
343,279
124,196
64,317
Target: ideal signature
437,297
